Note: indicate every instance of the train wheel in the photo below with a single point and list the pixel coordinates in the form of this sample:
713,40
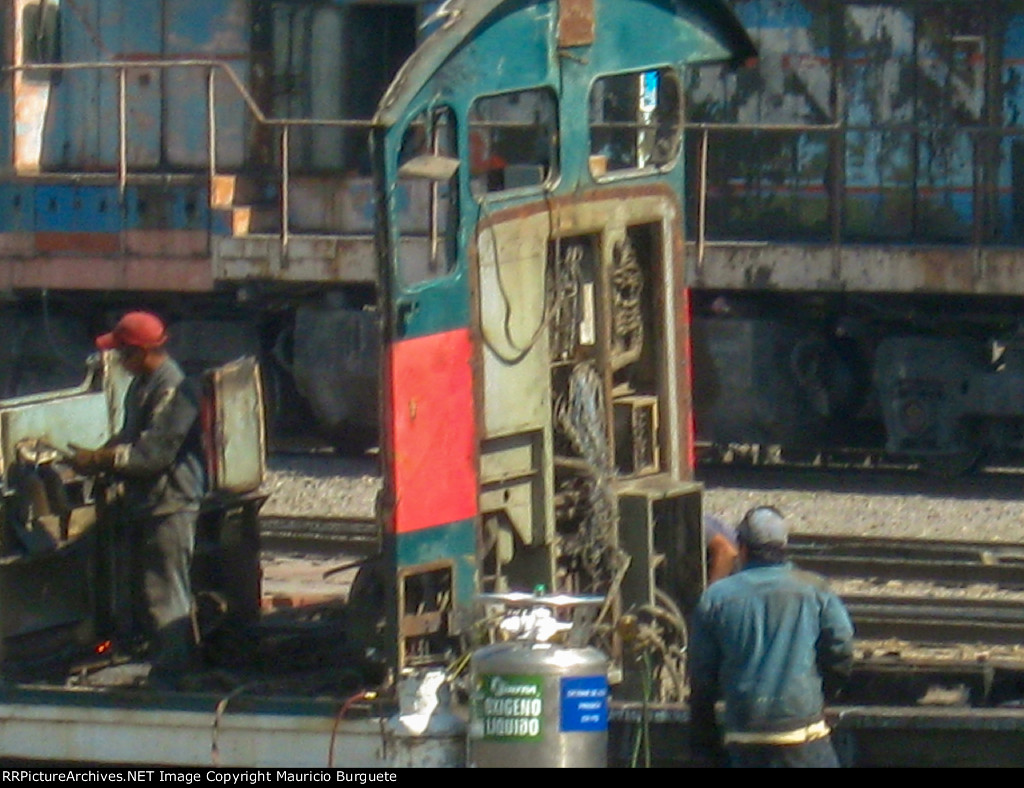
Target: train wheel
950,466
968,455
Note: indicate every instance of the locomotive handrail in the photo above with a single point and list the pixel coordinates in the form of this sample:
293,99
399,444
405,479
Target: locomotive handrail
285,124
190,62
838,127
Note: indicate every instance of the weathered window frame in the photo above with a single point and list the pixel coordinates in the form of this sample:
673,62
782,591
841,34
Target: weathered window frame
428,167
512,154
635,121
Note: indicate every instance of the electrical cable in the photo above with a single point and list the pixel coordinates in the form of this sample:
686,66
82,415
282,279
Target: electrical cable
520,351
342,711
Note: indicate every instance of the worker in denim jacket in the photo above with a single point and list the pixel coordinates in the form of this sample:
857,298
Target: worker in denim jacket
773,642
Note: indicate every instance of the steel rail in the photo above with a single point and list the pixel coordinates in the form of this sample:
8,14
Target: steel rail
320,534
938,620
940,615
937,561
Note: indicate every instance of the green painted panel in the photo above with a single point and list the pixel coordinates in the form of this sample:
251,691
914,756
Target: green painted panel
455,542
439,306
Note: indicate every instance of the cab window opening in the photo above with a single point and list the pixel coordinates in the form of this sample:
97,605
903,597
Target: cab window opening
513,140
426,196
635,121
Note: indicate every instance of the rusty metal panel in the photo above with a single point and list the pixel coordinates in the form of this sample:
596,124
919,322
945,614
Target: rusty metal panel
867,268
82,130
922,95
58,420
298,733
143,117
336,367
511,309
576,23
1000,270
65,573
511,482
81,415
308,259
31,95
105,272
236,438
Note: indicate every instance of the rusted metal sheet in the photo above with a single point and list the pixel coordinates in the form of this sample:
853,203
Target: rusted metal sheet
203,30
512,482
1000,270
576,23
306,259
78,243
63,571
898,269
31,98
59,420
336,367
195,734
870,122
30,103
343,204
236,430
166,243
106,273
15,245
60,417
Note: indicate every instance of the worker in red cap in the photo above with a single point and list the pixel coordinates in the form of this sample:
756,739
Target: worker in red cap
157,455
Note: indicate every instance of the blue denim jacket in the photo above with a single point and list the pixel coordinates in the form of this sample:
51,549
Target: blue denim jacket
772,641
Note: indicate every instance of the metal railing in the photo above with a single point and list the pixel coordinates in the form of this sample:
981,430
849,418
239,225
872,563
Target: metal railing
977,166
211,67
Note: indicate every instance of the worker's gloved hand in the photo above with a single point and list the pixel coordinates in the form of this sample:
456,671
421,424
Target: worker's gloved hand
92,461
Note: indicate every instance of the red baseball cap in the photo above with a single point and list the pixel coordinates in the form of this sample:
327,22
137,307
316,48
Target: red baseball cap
135,329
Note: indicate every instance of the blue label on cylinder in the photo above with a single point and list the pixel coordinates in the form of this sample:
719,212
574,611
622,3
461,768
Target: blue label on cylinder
584,703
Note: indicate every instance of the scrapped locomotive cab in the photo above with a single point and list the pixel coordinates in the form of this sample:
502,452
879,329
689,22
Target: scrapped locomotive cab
536,349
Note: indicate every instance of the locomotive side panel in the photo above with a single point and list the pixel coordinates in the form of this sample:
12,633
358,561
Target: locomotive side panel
207,160
856,195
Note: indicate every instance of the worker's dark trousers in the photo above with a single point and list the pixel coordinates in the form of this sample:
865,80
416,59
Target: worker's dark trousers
167,546
817,754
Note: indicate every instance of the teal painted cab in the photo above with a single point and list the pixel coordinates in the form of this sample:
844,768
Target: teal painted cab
536,424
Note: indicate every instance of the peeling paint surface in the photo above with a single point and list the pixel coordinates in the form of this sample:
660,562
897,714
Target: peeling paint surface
903,126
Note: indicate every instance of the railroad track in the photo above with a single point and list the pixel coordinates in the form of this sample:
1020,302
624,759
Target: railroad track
944,562
315,534
930,578
758,455
934,573
711,457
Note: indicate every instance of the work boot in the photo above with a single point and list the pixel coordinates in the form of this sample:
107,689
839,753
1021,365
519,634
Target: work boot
174,655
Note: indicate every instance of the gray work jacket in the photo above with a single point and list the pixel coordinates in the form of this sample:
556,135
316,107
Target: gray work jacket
158,452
